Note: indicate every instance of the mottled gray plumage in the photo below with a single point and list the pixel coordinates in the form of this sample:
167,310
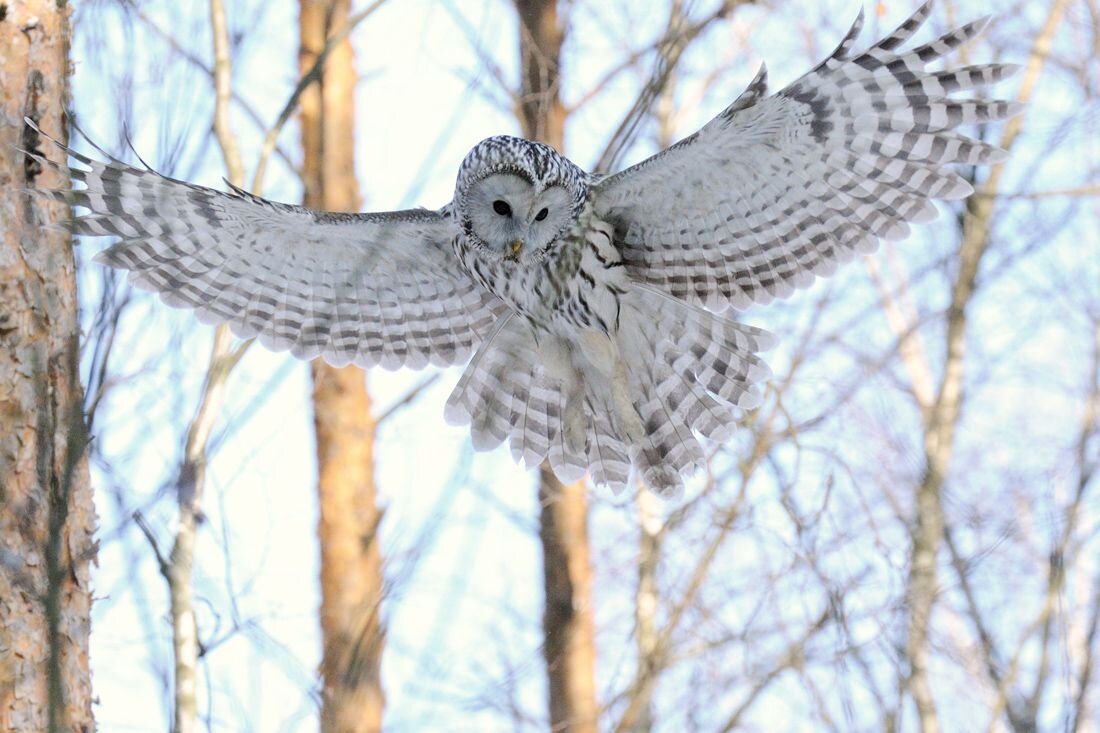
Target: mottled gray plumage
591,305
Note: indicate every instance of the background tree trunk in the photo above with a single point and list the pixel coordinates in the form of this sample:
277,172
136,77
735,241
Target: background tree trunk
570,646
351,563
943,412
46,512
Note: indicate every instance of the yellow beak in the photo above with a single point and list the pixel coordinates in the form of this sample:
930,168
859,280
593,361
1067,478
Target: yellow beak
517,245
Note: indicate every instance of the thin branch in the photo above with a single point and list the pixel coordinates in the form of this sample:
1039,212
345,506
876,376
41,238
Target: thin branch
669,53
408,397
196,61
1084,677
223,86
904,326
143,525
485,60
311,76
792,657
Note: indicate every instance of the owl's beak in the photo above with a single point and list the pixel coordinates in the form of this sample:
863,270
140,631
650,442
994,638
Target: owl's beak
517,245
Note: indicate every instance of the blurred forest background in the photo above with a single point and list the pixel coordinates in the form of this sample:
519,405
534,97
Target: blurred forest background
904,537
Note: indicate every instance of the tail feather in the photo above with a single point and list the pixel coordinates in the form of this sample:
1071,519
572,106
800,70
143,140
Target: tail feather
690,374
532,443
505,394
568,463
486,374
697,373
607,454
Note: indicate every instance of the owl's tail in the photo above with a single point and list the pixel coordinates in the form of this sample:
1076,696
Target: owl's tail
672,372
691,373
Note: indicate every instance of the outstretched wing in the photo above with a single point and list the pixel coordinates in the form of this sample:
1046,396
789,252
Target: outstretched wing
777,189
364,288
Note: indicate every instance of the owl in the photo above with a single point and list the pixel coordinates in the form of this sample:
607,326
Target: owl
592,312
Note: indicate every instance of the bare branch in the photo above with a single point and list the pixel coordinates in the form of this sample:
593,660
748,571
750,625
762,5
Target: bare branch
942,418
162,562
408,397
310,77
669,53
196,61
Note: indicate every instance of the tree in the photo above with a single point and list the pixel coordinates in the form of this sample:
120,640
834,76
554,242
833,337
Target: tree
570,645
942,408
46,513
351,562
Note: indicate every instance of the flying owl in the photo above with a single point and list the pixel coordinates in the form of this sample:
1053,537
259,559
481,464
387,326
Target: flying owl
591,309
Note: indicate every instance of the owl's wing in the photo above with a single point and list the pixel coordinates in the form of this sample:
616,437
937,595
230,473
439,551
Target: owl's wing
364,288
777,189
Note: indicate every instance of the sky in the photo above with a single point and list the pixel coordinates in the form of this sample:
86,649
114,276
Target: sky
466,601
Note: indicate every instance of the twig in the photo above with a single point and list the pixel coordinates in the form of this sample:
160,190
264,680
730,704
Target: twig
311,76
408,397
792,657
670,51
143,525
193,59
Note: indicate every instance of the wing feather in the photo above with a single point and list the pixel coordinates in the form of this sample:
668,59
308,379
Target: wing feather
784,187
364,288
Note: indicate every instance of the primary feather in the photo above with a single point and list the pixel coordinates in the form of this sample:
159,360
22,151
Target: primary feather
784,187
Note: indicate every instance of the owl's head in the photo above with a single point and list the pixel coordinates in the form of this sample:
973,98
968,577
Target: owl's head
515,197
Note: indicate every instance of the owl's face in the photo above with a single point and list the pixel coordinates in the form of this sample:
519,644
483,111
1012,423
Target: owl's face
515,218
515,198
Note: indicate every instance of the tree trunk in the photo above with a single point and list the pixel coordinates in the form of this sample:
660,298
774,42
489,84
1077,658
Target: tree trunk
47,516
351,563
570,646
646,604
943,416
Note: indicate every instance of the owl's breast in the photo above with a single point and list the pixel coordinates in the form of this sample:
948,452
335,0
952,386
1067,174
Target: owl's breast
576,284
508,280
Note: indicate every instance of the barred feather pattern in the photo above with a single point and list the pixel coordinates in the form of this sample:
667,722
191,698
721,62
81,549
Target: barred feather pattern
697,376
592,307
692,374
785,187
381,288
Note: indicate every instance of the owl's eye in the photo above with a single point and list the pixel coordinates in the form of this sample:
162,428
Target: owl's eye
502,208
542,214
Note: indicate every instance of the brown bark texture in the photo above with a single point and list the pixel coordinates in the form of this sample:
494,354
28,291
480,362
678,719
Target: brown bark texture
570,645
351,562
568,626
47,517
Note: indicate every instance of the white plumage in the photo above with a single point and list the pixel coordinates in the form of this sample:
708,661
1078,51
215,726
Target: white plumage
592,306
